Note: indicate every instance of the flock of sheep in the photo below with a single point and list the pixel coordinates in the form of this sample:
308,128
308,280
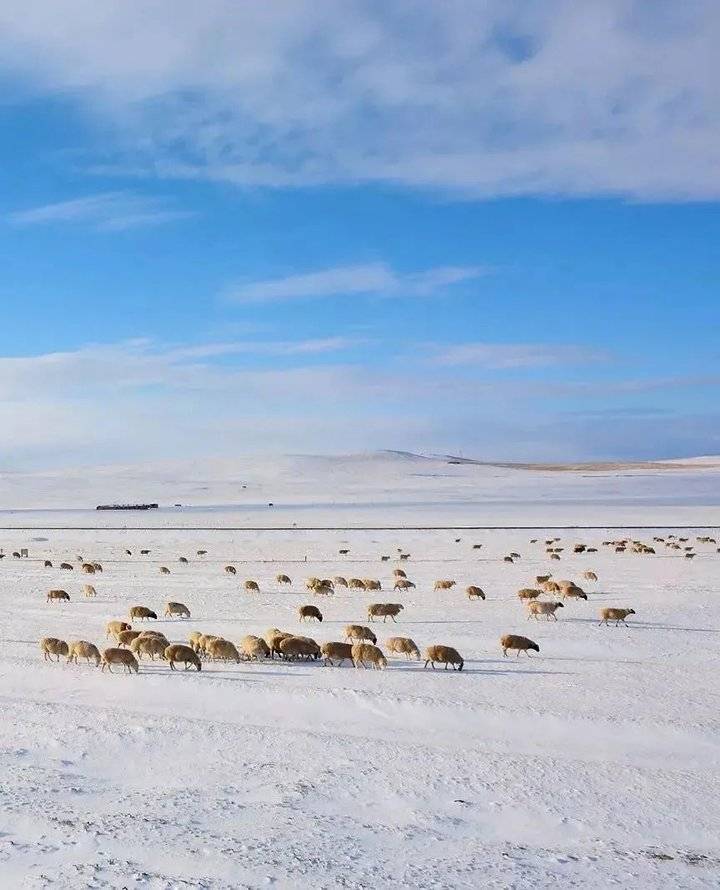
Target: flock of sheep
359,646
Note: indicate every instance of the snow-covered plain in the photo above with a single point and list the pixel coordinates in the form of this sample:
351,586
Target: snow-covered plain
594,764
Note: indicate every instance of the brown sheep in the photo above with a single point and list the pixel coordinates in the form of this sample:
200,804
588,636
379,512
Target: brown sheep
58,596
573,592
252,585
541,579
48,564
554,556
204,641
223,650
254,648
356,584
340,651
443,655
231,570
183,655
273,638
119,656
520,644
292,648
616,615
89,590
312,583
83,649
474,592
399,573
193,639
362,652
310,612
142,613
536,608
283,579
113,628
403,646
508,559
125,637
201,552
339,581
359,633
151,646
590,576
528,593
372,584
65,566
180,609
550,586
183,560
164,570
403,584
386,610
88,568
144,553
323,589
97,567
444,585
50,646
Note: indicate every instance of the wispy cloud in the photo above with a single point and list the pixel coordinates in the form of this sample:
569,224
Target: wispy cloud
371,278
506,356
107,211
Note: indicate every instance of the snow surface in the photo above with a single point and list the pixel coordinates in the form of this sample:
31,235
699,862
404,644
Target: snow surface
594,764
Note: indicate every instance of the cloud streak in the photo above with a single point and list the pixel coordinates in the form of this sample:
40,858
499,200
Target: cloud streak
509,356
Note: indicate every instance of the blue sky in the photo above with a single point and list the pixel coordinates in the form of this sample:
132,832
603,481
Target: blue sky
488,228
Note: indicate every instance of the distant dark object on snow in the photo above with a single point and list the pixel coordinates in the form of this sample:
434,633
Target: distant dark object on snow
127,507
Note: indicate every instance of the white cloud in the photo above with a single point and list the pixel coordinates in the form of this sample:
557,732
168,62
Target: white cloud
601,97
108,211
504,356
372,278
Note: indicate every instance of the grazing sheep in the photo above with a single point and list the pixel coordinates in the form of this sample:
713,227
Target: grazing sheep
444,585
50,646
399,573
550,586
362,652
97,567
528,593
339,581
164,570
254,648
201,552
515,555
554,556
573,592
521,644
113,628
88,568
64,565
403,584
182,654
204,641
193,639
125,637
273,638
340,651
310,612
83,649
48,564
403,646
282,579
384,559
128,552
323,589
151,646
223,650
541,579
579,548
142,613
356,584
359,633
89,590
404,556
292,648
343,552
474,592
375,610
372,584
616,615
479,546
231,570
183,560
508,559
176,609
443,655
157,634
119,656
58,596
144,553
252,585
590,576
536,608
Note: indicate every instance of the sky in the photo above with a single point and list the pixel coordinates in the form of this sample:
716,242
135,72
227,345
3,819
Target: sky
487,228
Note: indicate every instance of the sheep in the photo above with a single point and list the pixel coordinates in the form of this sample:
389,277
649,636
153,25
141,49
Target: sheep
88,568
528,593
616,615
305,612
89,590
324,588
273,638
97,567
142,612
292,648
579,548
203,646
339,581
113,628
443,585
193,639
403,646
541,579
362,652
372,584
403,584
356,584
359,633
119,656
230,570
312,583
164,570
254,647
521,644
547,609
340,651
573,591
515,555
282,579
183,560
399,573
201,552
180,609
65,566
223,650
183,654
151,646
555,556
58,596
144,553
404,556
128,552
550,586
375,610
48,564
50,646
252,585
508,559
83,649
125,637
384,559
590,576
474,592
443,655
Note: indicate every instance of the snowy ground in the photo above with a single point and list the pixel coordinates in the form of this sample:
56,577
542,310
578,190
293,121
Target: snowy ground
595,764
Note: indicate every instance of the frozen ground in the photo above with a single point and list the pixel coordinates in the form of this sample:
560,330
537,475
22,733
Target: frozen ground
595,764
